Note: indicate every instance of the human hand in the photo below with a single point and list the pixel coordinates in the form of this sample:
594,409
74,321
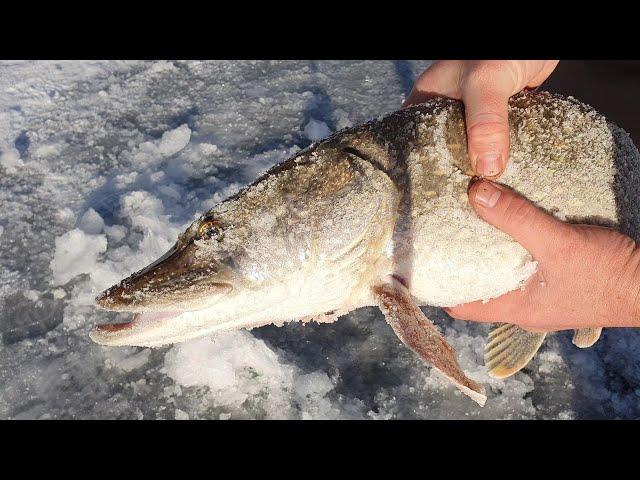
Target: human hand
484,87
587,276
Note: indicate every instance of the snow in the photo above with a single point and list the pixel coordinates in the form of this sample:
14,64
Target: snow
104,163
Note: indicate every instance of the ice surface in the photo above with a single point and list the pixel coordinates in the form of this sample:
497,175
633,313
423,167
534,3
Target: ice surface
103,164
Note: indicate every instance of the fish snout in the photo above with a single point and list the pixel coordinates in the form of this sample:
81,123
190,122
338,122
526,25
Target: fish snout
176,278
111,298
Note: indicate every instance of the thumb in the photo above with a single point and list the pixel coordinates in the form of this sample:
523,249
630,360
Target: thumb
528,225
487,120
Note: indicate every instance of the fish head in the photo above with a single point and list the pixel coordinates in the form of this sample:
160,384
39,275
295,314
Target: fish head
225,262
289,246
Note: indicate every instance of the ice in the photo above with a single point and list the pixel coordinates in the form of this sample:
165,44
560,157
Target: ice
174,140
103,164
11,161
76,252
180,415
236,366
127,359
91,222
316,130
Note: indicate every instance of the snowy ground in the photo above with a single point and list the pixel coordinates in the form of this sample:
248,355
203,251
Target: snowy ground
102,164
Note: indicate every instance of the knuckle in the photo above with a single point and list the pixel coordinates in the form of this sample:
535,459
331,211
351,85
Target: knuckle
488,127
484,72
519,212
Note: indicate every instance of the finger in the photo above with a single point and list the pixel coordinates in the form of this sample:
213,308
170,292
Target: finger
535,230
442,79
490,313
485,100
500,309
544,72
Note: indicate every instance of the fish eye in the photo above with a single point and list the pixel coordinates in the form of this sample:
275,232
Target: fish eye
210,229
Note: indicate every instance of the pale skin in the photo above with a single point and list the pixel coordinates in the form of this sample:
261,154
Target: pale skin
587,276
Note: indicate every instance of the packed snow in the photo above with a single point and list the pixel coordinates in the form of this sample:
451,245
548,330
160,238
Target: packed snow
104,163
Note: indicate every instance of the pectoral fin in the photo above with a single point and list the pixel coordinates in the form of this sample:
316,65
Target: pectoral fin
585,337
417,332
510,348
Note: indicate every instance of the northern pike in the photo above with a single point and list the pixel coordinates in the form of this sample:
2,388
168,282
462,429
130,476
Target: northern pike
378,215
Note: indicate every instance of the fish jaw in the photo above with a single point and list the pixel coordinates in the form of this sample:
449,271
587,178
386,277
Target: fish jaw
300,298
155,329
144,330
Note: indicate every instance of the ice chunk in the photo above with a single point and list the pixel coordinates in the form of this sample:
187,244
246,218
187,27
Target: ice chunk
65,215
47,150
32,295
11,161
115,232
91,222
342,119
316,130
236,366
181,415
127,359
76,252
59,293
174,140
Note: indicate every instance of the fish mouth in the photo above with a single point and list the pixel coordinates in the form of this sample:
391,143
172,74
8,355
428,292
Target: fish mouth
153,328
175,285
150,329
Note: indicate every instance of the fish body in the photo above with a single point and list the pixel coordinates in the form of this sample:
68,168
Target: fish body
378,215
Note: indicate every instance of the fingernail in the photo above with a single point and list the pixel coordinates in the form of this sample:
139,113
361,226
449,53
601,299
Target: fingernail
488,164
487,194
